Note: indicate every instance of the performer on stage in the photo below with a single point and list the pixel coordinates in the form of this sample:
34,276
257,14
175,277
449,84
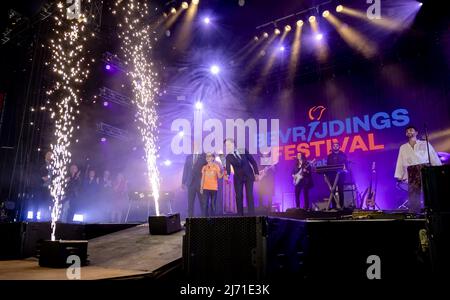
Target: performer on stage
211,173
301,175
337,157
192,176
414,152
245,173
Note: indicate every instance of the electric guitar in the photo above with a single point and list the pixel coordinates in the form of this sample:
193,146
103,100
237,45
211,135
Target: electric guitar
264,171
371,191
299,175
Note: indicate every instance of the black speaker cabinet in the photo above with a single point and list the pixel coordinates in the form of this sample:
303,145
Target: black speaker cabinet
55,254
165,224
436,188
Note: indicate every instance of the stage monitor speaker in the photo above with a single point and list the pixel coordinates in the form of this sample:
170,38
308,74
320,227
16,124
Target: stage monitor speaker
436,188
165,224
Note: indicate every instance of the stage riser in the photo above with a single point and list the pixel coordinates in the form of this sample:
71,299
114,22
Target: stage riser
275,248
21,240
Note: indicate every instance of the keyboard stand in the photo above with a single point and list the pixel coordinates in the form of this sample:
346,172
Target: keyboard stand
333,190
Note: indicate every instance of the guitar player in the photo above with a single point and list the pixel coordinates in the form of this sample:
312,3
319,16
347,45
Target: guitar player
302,177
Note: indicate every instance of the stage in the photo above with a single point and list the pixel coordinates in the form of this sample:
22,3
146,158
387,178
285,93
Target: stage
129,253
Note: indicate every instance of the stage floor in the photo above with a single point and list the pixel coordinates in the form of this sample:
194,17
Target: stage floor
130,252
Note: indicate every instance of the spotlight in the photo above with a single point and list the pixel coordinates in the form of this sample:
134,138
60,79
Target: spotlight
277,31
195,2
38,215
325,14
206,20
311,19
78,218
108,67
214,69
299,23
339,8
265,34
198,105
420,3
173,10
106,104
167,162
256,38
318,36
287,28
30,215
281,48
184,5
103,139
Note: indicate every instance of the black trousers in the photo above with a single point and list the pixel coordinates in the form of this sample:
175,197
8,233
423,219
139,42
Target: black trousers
239,190
209,203
193,192
298,189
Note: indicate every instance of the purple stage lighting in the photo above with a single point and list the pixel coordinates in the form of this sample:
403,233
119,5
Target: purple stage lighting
214,69
206,20
167,162
318,36
281,48
103,140
106,104
198,105
108,67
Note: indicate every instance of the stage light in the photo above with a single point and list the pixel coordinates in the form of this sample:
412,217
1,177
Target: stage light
318,36
198,105
78,218
299,23
287,28
206,20
38,215
281,48
106,104
103,140
339,8
277,31
325,14
195,2
265,34
108,67
256,38
184,5
30,215
312,19
420,3
167,162
214,69
173,10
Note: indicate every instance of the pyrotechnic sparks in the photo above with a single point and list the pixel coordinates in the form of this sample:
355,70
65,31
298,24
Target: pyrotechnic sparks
69,68
135,35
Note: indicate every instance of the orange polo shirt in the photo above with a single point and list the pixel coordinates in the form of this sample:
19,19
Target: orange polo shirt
211,174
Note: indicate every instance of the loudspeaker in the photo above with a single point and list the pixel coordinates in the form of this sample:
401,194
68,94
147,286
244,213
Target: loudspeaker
276,248
225,248
55,254
166,224
436,188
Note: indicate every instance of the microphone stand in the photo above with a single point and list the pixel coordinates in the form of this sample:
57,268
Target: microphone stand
428,145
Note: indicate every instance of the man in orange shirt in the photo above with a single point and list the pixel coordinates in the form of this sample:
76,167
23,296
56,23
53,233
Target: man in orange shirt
211,173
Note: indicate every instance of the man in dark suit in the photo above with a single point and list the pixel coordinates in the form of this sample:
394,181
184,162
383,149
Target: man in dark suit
192,176
245,173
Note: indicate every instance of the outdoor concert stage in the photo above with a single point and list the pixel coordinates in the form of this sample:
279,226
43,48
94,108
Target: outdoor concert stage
294,244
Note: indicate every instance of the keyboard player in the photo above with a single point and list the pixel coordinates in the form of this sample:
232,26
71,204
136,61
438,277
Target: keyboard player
337,157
